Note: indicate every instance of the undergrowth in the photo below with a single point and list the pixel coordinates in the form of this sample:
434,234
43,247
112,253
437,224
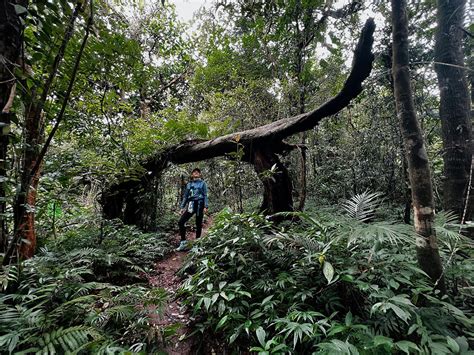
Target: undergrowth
119,253
86,292
333,283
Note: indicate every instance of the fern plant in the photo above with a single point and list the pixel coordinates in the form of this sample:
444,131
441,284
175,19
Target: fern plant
362,206
58,304
331,284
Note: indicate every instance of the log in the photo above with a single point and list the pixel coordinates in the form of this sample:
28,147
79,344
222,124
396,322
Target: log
252,141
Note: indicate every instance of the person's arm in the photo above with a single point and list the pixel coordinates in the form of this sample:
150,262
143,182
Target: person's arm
185,197
204,191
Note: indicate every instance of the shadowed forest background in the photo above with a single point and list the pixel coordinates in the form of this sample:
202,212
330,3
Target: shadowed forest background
335,138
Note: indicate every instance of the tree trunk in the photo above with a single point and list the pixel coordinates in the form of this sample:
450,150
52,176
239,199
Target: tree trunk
21,207
140,205
25,217
112,204
277,187
31,164
132,212
270,136
10,49
302,178
454,108
418,165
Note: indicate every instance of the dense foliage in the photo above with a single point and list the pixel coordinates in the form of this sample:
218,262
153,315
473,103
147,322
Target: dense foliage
86,291
99,87
331,283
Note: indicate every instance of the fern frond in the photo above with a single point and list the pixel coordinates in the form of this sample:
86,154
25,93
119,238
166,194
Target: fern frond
136,268
8,315
296,241
362,206
444,218
59,311
85,252
34,317
382,232
87,287
68,340
8,274
448,228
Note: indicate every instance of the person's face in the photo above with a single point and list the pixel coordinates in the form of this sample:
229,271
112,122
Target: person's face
196,174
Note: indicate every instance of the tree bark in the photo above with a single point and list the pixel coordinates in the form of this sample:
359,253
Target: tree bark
262,144
418,164
303,179
277,187
31,164
454,108
10,50
25,217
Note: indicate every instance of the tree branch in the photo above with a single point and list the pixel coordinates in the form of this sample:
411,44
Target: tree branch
270,135
281,129
67,95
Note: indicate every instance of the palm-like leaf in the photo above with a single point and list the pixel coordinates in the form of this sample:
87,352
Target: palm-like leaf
362,206
382,232
306,242
8,274
69,340
447,225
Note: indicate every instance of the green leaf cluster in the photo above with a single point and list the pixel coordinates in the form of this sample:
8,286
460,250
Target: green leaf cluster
329,284
85,293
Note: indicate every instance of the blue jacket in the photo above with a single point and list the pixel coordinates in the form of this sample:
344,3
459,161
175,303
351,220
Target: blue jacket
195,190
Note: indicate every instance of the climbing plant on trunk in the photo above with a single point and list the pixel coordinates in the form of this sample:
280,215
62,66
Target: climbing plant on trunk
10,49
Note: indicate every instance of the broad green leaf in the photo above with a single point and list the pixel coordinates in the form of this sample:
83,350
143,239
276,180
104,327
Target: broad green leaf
261,336
381,340
405,346
453,345
222,322
20,10
328,271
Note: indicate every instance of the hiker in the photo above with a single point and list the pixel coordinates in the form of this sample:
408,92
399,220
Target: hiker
194,202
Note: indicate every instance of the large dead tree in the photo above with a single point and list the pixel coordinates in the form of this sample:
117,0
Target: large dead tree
260,146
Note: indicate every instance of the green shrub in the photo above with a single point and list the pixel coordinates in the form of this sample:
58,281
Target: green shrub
78,295
331,284
119,253
52,307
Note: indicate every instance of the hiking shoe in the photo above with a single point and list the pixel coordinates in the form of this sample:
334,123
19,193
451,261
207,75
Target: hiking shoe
183,246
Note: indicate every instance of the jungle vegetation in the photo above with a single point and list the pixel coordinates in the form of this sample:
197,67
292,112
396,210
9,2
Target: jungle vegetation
336,141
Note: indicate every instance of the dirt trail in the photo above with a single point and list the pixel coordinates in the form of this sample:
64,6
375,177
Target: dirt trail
174,312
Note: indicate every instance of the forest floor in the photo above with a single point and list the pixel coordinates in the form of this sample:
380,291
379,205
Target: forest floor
174,313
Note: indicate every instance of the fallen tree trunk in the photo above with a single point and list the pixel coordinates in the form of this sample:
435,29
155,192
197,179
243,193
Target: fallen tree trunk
260,145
